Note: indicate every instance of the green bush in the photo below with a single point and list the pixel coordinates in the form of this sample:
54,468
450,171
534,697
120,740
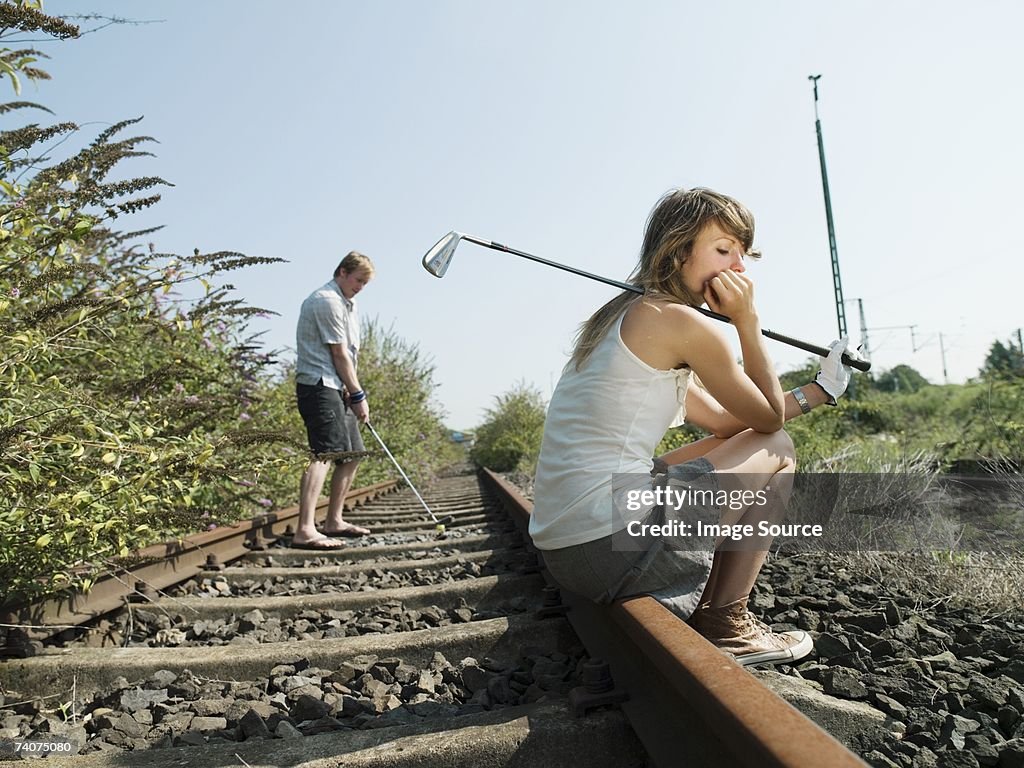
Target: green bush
1004,361
988,420
510,436
799,377
677,437
124,410
900,378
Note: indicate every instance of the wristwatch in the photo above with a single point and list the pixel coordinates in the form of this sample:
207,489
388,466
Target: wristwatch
801,400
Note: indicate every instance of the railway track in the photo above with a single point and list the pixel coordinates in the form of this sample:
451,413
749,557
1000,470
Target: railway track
401,649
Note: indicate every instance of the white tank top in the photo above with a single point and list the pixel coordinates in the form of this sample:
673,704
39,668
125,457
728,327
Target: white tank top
606,418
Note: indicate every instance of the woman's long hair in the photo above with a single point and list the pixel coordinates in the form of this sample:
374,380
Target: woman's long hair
672,228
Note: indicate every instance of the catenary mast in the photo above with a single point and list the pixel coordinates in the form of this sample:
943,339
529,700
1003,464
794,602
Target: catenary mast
837,282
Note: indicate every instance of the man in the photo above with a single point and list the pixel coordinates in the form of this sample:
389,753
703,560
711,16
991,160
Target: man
330,399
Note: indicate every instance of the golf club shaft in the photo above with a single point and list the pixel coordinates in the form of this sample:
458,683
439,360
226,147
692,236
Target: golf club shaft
398,466
853,362
555,264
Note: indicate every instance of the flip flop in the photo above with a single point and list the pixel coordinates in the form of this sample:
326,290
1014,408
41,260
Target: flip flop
319,545
352,532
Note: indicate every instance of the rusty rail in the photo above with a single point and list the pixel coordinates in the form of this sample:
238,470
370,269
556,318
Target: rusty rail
679,685
159,566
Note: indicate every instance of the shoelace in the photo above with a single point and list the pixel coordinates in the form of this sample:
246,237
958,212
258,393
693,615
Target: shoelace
758,624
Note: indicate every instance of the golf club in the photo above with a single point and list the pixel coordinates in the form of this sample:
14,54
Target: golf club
437,260
439,525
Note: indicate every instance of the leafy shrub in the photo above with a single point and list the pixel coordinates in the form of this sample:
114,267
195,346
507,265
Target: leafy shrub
798,377
125,411
989,422
129,413
900,378
1004,361
510,436
678,437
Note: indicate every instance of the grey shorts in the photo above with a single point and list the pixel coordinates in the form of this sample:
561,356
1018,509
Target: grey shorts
330,426
615,567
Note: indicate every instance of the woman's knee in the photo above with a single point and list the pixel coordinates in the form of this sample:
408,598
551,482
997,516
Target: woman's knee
779,448
784,446
755,453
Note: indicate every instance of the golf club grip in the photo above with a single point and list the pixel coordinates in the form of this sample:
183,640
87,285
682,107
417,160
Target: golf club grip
860,365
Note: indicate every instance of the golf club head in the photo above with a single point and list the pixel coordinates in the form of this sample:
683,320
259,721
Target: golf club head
437,259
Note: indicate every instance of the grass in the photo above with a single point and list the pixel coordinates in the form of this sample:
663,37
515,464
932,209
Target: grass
987,582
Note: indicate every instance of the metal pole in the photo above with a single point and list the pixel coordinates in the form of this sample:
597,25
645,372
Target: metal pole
863,338
942,350
865,347
837,282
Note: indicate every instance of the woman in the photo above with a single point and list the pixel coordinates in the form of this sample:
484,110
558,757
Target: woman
628,381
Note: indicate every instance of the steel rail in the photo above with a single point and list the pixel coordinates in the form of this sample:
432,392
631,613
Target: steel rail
159,566
682,689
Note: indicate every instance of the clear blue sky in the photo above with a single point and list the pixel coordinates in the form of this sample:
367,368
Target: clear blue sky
305,129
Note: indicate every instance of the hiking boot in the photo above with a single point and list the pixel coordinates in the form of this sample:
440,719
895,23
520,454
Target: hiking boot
733,629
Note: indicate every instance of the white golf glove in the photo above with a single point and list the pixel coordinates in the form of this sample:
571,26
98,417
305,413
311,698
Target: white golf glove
834,377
